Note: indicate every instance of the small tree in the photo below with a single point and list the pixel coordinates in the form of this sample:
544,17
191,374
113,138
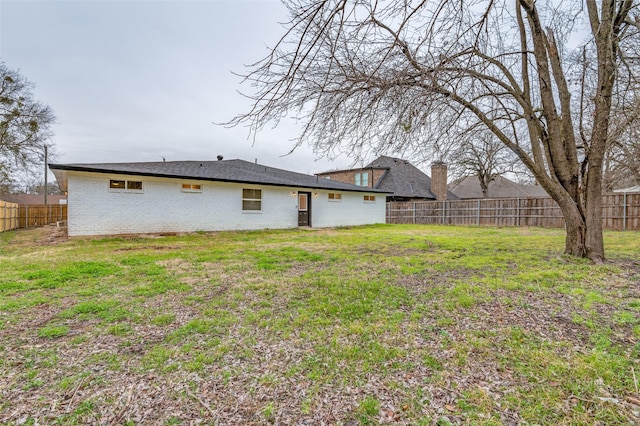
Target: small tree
374,74
24,126
483,157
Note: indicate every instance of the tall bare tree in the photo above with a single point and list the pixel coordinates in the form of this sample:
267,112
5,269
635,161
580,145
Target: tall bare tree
383,74
25,126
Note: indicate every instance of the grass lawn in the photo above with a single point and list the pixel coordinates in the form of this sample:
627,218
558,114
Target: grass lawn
387,324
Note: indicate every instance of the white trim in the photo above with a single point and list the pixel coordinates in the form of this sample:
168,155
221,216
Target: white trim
125,190
251,199
191,189
334,200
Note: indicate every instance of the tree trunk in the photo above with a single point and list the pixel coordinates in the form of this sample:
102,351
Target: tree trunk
484,186
593,212
575,228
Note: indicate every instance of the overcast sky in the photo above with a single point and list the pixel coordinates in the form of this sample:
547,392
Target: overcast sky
139,80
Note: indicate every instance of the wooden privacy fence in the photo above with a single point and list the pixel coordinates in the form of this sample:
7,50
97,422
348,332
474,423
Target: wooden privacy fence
13,216
32,215
9,213
620,211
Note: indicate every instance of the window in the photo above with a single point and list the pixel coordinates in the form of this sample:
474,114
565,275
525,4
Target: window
362,179
335,197
303,202
191,187
369,198
134,185
125,185
117,184
251,199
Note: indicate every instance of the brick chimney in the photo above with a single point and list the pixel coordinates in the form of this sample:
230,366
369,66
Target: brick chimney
439,180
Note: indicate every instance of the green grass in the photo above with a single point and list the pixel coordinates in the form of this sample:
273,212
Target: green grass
393,324
53,331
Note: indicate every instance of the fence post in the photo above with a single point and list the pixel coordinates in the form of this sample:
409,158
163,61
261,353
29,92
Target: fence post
518,211
624,211
444,210
414,212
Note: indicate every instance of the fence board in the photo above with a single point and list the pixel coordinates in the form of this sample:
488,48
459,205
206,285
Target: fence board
620,211
34,215
8,216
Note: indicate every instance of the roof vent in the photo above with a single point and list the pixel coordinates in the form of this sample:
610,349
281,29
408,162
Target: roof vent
220,157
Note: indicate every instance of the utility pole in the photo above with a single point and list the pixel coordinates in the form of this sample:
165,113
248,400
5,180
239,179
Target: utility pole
46,172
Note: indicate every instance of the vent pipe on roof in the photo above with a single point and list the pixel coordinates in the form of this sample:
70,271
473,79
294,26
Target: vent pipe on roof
220,157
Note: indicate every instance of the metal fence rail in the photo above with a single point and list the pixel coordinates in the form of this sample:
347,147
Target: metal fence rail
620,211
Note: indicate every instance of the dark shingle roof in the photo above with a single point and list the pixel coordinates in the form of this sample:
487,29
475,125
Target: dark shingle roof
403,179
238,171
500,187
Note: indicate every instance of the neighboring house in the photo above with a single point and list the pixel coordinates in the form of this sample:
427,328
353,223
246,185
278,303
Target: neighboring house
500,187
399,178
184,196
31,199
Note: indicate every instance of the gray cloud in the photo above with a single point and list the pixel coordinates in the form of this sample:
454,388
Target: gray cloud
139,80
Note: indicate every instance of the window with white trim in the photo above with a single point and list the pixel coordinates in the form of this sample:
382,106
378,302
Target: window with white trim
134,185
335,197
117,185
251,199
191,187
362,179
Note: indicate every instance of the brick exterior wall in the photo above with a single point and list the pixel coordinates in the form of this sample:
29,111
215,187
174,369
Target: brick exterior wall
349,176
162,206
439,181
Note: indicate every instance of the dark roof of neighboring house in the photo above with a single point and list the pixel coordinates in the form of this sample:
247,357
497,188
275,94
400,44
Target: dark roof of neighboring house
402,179
237,171
500,187
31,199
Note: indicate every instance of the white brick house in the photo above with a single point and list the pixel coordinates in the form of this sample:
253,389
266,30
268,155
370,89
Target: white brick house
186,196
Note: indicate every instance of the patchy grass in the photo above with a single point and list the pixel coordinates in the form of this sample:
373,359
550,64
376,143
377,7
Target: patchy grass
368,325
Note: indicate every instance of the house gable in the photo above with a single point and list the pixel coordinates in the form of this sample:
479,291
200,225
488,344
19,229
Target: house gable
398,177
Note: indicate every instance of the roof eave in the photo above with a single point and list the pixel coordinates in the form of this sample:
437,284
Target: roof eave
65,168
350,170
